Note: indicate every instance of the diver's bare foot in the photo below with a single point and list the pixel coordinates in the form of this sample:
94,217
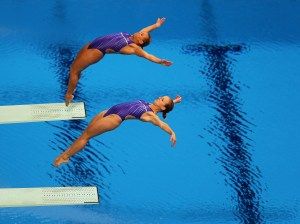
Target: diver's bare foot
68,99
60,160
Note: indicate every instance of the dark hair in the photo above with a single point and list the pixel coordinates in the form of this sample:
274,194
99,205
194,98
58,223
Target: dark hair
169,107
146,42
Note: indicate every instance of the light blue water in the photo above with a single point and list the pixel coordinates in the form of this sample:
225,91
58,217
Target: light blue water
235,65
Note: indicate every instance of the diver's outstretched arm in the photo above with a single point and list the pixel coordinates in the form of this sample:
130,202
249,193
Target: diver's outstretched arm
141,53
154,119
159,22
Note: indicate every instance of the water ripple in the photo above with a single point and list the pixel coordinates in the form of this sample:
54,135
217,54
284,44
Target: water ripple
92,166
230,128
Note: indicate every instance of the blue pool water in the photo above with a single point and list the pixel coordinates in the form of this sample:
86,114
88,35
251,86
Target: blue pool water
236,65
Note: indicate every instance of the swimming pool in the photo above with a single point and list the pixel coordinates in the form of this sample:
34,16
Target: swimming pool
235,65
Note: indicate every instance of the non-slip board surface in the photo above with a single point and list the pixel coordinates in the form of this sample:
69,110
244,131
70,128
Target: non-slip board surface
20,197
41,112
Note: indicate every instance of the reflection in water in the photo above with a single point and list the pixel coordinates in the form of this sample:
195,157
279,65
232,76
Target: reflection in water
208,21
229,128
83,169
59,11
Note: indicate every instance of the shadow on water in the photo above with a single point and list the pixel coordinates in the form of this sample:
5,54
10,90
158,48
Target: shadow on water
90,167
229,127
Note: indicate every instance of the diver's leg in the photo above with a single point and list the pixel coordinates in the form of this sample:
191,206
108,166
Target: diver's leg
98,126
84,58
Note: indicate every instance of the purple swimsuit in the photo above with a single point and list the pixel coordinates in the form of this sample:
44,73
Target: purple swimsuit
135,108
114,42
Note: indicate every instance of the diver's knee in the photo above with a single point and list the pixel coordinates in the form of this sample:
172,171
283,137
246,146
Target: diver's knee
74,70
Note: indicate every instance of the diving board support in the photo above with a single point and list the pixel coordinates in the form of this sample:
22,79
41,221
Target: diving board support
41,112
46,196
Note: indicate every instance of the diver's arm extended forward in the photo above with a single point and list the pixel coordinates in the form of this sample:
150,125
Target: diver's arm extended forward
154,119
141,53
154,26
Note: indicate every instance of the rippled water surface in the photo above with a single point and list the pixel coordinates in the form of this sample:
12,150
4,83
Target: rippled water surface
236,65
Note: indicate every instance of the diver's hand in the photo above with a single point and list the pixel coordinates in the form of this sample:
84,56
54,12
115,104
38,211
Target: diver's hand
68,99
173,139
177,99
165,62
160,21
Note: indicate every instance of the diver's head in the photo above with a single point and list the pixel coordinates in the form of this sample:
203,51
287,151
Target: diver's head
141,38
165,104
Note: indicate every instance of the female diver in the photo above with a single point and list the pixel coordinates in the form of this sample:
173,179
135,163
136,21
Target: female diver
110,119
122,43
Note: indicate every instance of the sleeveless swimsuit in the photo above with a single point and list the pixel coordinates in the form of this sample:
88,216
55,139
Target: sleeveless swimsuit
135,108
114,41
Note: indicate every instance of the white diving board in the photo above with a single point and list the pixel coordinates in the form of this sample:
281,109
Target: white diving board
48,196
41,112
